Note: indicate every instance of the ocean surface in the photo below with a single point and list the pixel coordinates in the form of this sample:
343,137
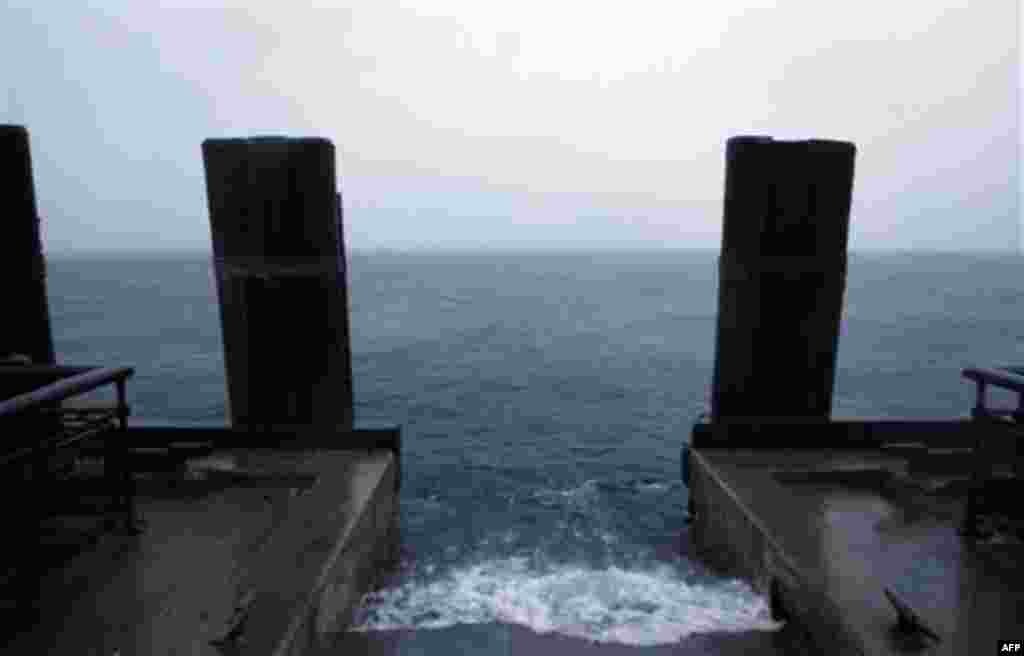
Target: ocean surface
543,400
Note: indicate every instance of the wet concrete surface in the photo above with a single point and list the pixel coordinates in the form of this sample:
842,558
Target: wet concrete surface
855,523
205,542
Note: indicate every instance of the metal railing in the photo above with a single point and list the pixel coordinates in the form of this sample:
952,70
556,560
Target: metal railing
1007,378
64,383
37,424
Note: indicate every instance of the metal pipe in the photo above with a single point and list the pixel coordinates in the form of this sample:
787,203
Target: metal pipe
65,388
1002,377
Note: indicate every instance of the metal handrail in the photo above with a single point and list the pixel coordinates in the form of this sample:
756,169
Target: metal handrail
78,383
1010,378
71,429
1007,377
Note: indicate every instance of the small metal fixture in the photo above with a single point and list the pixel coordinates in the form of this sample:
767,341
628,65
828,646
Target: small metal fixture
909,621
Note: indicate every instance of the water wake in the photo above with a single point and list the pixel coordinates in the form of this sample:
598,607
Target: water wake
611,605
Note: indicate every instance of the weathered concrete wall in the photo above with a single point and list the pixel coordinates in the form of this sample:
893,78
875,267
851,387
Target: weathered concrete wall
353,564
726,538
369,551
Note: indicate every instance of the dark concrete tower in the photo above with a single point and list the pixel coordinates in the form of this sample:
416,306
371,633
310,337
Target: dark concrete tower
782,277
278,246
25,328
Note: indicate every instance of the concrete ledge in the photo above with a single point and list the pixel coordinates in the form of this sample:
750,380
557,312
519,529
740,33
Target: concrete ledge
306,582
796,433
827,532
262,551
733,540
224,437
366,546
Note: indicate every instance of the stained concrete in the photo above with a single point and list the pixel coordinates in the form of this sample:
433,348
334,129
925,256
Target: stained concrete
271,546
825,532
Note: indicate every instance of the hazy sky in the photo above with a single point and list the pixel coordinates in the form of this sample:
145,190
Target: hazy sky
513,124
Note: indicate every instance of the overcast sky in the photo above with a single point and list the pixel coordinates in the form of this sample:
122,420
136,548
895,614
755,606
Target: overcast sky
518,124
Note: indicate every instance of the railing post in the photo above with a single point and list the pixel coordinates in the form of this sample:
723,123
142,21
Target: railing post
126,480
978,411
26,327
781,277
279,254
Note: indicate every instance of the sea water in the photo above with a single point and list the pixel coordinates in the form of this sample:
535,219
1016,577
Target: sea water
543,399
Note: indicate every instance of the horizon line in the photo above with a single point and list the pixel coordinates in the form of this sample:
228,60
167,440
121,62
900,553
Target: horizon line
522,249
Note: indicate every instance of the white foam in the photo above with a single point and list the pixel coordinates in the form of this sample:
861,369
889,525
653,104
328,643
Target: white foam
589,489
586,489
612,605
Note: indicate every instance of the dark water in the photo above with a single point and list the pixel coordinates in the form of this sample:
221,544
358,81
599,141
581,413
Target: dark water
544,399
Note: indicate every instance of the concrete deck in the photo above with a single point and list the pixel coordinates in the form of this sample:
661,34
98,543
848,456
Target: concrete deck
825,532
272,547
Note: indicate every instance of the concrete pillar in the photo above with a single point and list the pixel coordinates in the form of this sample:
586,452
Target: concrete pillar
25,328
278,246
782,276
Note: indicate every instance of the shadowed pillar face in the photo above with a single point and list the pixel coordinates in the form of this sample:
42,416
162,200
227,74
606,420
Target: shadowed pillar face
26,328
781,277
277,241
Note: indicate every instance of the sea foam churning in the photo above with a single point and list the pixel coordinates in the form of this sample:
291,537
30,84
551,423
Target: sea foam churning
610,605
565,563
